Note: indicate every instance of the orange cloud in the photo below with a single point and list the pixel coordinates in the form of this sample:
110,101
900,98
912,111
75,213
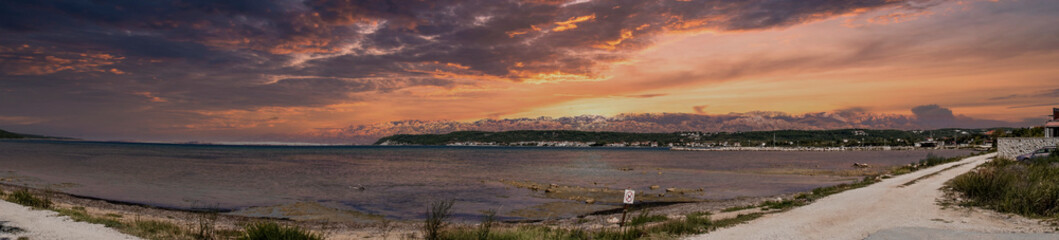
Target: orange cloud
571,23
150,97
28,60
899,17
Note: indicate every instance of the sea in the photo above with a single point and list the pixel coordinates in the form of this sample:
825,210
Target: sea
401,182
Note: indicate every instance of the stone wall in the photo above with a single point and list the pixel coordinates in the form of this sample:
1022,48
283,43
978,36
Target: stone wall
1013,147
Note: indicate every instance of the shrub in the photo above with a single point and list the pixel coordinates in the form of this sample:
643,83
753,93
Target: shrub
273,231
24,198
205,227
1030,189
487,224
437,214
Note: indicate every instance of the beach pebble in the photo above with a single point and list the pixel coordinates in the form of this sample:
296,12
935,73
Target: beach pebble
654,187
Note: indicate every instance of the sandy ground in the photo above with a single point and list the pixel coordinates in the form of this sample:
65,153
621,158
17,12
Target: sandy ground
890,209
20,221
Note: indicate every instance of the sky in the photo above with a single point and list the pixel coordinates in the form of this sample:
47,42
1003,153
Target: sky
333,71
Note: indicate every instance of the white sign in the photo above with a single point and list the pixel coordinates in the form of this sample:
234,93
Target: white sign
630,195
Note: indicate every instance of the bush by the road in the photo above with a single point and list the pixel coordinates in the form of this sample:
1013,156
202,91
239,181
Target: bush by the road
1027,188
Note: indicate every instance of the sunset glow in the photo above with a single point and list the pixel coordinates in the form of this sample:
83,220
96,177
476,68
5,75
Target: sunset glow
352,71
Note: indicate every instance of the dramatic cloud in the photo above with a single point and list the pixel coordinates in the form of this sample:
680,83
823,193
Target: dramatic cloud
934,116
259,69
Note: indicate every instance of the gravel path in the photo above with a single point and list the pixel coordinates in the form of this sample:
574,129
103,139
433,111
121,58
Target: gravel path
889,206
20,221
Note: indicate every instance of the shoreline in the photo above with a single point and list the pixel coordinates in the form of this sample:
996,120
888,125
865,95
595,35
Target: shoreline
378,228
729,211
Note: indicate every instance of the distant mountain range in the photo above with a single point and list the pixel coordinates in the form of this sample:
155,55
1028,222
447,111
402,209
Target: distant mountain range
802,138
666,123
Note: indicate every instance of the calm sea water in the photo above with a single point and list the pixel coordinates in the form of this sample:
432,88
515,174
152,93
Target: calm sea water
399,182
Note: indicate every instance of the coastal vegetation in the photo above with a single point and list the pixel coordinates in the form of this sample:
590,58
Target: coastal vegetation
1028,188
274,231
203,229
25,198
438,213
643,226
781,138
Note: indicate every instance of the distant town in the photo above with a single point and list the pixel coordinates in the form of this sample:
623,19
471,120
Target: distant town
782,139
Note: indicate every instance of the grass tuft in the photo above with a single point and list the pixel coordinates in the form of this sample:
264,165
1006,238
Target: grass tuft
79,214
645,217
153,229
691,224
25,198
274,231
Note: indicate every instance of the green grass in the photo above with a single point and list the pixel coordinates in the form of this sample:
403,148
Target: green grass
742,218
153,229
691,224
645,217
80,215
930,161
737,208
25,198
147,229
517,233
274,231
1030,189
782,205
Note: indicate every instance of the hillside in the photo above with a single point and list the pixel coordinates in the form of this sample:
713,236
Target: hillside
819,138
11,135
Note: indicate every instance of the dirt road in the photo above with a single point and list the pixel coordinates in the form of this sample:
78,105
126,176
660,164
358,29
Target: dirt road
20,221
890,205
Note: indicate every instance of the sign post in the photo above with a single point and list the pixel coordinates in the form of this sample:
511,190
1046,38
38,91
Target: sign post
629,198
